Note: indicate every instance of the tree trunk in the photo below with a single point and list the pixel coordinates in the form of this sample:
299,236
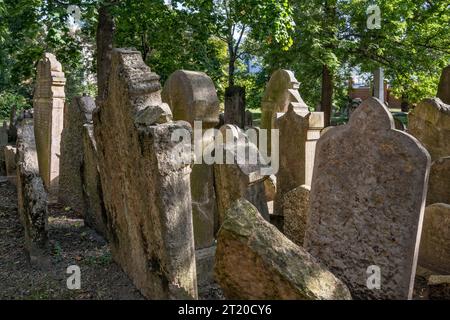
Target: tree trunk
231,71
327,94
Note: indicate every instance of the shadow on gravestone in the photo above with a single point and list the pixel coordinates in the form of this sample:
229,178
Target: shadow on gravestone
362,217
146,189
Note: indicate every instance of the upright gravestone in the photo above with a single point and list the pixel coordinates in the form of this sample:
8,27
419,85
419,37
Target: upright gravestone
444,86
439,186
429,122
192,97
239,175
378,84
146,186
362,219
78,113
281,90
48,120
235,106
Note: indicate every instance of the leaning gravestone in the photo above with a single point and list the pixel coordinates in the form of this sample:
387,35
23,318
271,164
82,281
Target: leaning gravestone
32,197
192,97
48,105
281,90
444,86
361,215
146,188
76,115
429,122
435,243
255,261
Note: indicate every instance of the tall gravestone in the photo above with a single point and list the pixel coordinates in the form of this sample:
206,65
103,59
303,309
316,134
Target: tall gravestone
146,188
48,105
281,90
361,216
76,114
444,86
192,97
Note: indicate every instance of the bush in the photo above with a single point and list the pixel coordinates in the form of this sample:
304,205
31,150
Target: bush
10,99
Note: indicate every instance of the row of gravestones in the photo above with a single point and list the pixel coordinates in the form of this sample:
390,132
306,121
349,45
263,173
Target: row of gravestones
117,167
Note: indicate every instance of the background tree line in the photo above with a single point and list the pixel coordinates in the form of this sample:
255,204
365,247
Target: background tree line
321,40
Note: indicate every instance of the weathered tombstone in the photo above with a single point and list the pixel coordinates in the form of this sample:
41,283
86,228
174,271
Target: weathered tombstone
444,86
95,212
439,185
146,188
32,197
48,120
429,122
361,215
255,261
192,97
240,179
235,106
76,114
295,210
434,251
281,90
299,132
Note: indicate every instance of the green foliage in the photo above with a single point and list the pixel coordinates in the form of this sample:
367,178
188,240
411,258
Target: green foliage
8,100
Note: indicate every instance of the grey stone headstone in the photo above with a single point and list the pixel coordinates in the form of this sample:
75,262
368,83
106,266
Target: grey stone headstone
367,203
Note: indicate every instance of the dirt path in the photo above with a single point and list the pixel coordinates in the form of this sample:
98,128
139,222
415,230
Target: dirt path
72,244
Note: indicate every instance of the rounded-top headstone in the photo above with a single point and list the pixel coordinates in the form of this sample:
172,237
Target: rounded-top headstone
192,97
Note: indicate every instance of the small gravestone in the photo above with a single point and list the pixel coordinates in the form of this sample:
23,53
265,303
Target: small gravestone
444,86
362,219
76,114
439,185
95,211
435,242
429,122
48,105
295,211
10,160
235,106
